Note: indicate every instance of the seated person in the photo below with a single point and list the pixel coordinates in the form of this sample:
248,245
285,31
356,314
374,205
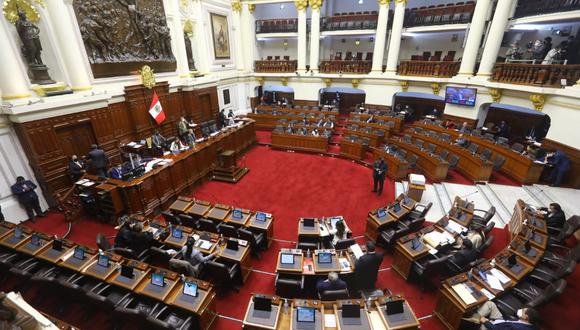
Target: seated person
190,137
339,232
371,119
555,217
158,140
320,122
449,124
124,234
329,124
461,141
140,240
116,172
231,114
489,316
332,283
302,131
464,256
503,129
315,132
193,259
177,146
464,128
475,235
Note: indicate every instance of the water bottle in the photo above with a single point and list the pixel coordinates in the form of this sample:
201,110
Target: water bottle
286,306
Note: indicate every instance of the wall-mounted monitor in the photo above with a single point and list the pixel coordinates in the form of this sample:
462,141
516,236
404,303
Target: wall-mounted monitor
461,96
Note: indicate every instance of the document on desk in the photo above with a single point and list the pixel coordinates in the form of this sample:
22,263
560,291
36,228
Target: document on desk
454,227
329,321
344,264
488,294
203,244
356,250
463,293
500,275
494,282
324,230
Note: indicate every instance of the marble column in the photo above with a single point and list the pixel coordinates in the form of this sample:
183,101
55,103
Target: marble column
381,36
178,42
495,37
13,79
476,29
238,42
301,6
249,35
396,34
64,25
315,34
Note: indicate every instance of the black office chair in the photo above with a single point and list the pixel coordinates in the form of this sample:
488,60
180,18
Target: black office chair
545,274
158,257
498,162
426,270
330,295
564,256
419,143
453,161
221,275
485,154
473,148
105,298
431,148
171,218
289,285
486,244
509,303
413,160
103,242
257,241
407,139
228,231
208,225
518,147
502,141
134,311
569,228
443,154
488,228
482,217
344,244
170,319
187,220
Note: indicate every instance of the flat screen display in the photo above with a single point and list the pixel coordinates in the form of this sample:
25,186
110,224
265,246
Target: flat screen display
461,96
324,258
305,314
237,214
381,213
157,279
190,288
57,245
261,216
35,240
287,259
79,253
232,245
262,303
18,233
176,233
126,271
103,260
351,310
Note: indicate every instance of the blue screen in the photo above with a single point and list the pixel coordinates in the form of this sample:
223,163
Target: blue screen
461,96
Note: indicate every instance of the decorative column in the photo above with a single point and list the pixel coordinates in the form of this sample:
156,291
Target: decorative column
237,22
474,37
396,34
64,25
13,80
178,42
301,6
495,36
315,34
249,35
381,36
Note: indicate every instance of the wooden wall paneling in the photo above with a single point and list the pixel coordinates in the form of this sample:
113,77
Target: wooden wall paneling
572,178
138,99
179,177
191,168
460,120
306,102
163,185
123,128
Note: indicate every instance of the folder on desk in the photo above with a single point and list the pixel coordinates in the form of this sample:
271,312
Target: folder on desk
356,250
203,244
463,293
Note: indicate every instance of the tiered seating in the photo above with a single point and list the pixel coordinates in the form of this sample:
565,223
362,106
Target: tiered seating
549,75
276,65
284,25
267,117
350,21
347,66
451,13
385,120
541,7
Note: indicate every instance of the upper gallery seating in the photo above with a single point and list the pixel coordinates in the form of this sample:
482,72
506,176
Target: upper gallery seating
352,63
275,64
451,13
350,21
539,7
277,25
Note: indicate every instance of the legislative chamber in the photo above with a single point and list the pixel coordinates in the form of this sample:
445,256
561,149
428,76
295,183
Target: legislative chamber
289,164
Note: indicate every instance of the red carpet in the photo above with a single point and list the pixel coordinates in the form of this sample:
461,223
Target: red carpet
293,185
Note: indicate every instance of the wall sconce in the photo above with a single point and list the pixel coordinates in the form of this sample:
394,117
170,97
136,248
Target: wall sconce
357,42
286,43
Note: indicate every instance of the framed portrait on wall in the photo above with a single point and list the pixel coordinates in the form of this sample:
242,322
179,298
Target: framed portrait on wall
220,34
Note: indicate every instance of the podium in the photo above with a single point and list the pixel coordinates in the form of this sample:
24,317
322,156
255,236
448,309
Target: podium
416,187
227,169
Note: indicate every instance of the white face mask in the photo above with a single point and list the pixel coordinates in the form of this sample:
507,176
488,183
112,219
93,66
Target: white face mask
520,313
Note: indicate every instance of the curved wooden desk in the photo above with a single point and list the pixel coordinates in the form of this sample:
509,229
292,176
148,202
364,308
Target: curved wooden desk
299,142
364,116
354,150
434,168
375,138
398,168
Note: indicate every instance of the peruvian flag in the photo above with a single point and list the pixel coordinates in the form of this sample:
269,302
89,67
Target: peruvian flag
155,110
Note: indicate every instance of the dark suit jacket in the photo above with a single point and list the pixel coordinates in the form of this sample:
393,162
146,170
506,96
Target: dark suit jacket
464,256
25,191
98,158
75,169
508,325
326,285
556,220
139,242
367,269
379,170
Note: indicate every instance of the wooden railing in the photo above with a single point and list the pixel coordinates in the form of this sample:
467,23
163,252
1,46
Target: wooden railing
441,14
360,21
536,74
429,68
362,67
283,25
275,66
541,7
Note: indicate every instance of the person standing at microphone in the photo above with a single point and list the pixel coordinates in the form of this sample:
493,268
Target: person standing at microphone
379,171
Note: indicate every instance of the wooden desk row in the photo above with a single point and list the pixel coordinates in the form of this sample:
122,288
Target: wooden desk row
384,217
320,229
524,226
365,116
373,314
375,126
353,149
517,166
298,110
397,167
469,164
268,121
160,186
299,142
171,294
434,168
223,213
375,138
295,261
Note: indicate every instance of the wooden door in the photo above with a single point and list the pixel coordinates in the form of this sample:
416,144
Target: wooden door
76,139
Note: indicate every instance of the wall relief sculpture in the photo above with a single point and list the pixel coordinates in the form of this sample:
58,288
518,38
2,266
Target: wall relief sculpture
120,36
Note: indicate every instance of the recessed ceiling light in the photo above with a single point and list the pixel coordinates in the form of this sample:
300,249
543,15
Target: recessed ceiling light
360,2
281,6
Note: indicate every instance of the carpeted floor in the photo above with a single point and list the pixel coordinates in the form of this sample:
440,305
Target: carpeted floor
292,185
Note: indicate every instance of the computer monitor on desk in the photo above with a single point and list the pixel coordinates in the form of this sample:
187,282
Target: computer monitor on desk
79,253
103,260
305,314
287,259
324,258
158,279
308,222
176,233
262,303
381,213
126,271
35,239
190,289
57,245
18,232
232,244
237,214
394,307
261,216
351,311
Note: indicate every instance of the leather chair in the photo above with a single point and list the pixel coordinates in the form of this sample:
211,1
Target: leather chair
419,143
498,162
169,319
569,228
556,259
473,148
187,220
208,225
412,160
431,148
228,231
488,228
103,242
486,244
484,216
344,244
544,274
420,211
502,141
105,297
509,303
222,275
330,295
427,270
257,241
453,161
289,285
171,218
158,257
518,147
134,311
443,154
407,139
305,245
485,154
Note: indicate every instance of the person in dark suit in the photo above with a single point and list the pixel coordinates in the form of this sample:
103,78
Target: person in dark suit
76,168
333,282
139,240
99,161
222,118
464,256
1,214
24,190
555,218
158,140
367,268
527,320
379,172
503,129
560,163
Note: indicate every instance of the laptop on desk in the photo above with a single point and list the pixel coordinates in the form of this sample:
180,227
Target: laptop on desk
305,318
351,314
395,311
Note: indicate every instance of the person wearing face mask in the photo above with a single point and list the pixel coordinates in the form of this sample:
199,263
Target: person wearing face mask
76,168
555,218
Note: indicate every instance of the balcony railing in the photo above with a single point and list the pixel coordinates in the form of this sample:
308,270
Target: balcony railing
350,21
275,66
285,25
541,7
548,75
442,14
355,66
443,69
